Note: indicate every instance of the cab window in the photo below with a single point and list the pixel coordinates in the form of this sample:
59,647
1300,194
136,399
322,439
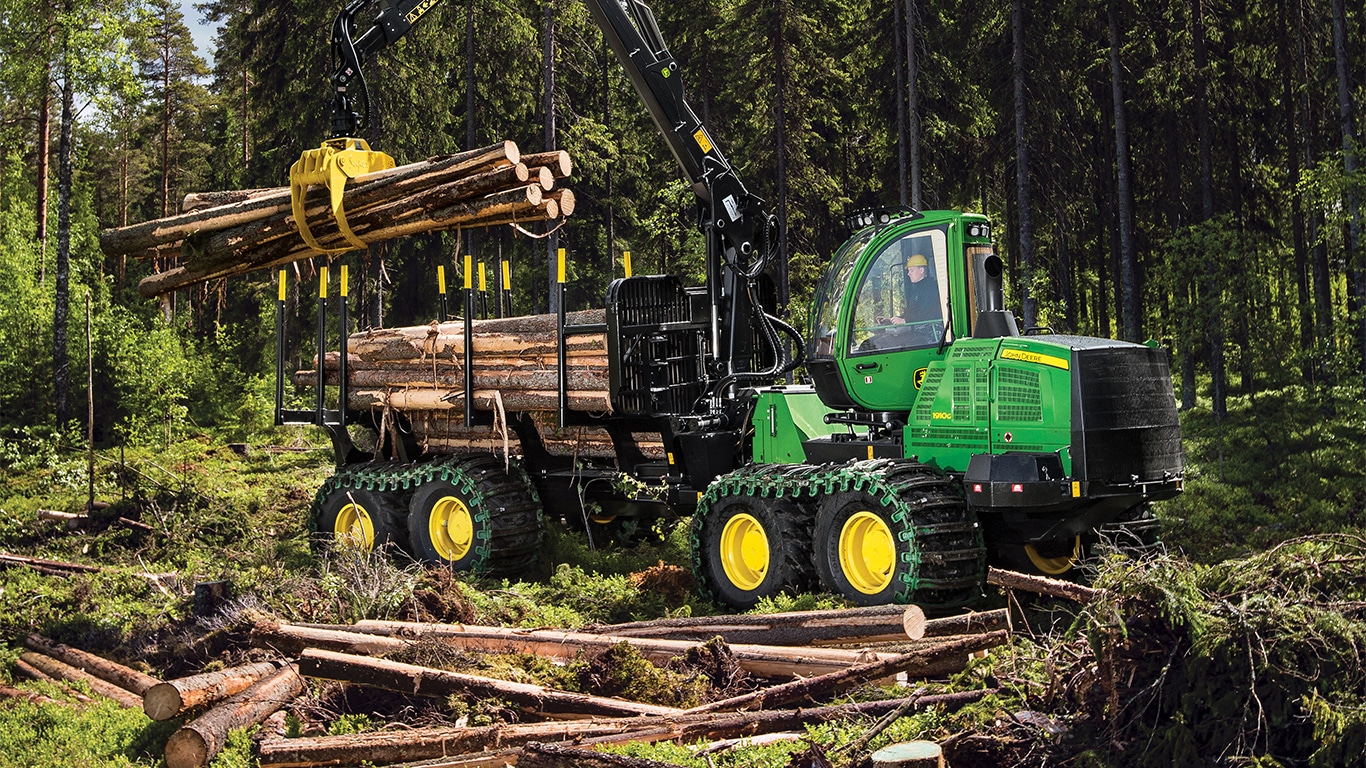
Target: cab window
902,300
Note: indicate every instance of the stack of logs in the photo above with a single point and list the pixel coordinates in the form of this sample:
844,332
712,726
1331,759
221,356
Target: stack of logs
232,233
419,371
818,653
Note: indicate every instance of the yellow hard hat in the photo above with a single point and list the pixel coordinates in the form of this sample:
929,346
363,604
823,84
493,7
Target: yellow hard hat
917,261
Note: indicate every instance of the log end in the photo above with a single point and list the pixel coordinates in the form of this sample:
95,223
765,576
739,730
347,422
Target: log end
909,754
186,749
913,621
162,702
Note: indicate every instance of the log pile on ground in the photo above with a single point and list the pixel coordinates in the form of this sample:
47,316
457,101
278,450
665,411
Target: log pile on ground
224,234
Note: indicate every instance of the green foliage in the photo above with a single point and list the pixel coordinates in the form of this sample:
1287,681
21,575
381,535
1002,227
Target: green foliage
99,734
366,584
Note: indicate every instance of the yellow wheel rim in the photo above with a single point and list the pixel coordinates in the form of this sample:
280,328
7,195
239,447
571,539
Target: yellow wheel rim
353,527
1054,566
867,552
451,528
744,552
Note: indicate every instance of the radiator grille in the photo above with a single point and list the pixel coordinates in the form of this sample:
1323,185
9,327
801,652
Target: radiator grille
1125,422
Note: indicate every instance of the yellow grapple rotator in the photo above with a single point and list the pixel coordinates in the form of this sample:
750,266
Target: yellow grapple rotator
331,165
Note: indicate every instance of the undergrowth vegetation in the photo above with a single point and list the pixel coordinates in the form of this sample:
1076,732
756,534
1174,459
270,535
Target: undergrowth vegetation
1240,646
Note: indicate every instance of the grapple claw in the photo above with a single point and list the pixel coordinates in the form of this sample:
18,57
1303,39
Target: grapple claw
330,165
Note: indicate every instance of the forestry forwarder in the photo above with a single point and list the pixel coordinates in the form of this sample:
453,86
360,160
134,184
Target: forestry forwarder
927,440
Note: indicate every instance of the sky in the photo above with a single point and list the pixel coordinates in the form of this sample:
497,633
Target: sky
201,32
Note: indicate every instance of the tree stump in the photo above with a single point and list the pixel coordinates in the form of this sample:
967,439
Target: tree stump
909,754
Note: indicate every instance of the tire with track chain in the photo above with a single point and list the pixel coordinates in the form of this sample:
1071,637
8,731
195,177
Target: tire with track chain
471,514
348,512
896,531
751,535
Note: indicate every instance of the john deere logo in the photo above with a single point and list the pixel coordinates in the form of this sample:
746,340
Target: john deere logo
918,377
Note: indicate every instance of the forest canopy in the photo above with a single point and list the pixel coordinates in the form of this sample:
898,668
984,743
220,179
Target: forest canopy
1183,171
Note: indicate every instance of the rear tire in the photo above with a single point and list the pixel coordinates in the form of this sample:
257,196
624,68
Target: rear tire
359,517
472,515
750,548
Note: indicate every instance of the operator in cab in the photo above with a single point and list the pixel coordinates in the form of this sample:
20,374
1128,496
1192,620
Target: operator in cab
922,295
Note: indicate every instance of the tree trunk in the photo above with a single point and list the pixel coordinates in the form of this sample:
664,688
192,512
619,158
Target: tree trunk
61,670
548,108
425,681
1213,290
61,373
1023,210
913,102
44,136
1129,310
117,674
902,137
941,658
196,743
164,701
1356,270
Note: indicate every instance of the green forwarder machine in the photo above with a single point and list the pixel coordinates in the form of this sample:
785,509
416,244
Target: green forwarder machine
933,436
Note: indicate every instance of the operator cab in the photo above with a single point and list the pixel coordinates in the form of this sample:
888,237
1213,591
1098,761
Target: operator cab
896,296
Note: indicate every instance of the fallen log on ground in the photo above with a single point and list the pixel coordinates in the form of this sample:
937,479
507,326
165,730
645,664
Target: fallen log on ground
921,663
164,701
35,698
538,755
761,660
58,669
51,567
1041,585
26,670
847,626
427,743
425,681
196,743
124,677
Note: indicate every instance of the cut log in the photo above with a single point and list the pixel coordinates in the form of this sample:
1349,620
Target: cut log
38,563
848,626
58,669
966,624
198,201
164,701
124,677
424,681
18,693
1041,585
426,743
761,660
196,743
564,198
922,663
72,520
909,754
596,401
557,161
538,755
292,639
257,205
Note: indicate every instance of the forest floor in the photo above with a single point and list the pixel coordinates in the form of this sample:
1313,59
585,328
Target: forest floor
1241,644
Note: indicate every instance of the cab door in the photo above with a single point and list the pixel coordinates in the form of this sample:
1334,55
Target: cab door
888,341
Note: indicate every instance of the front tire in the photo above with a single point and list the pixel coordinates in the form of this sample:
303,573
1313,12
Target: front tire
749,548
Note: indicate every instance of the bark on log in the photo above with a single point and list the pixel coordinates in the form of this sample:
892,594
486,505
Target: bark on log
966,624
428,743
26,670
198,201
58,669
538,755
484,400
124,677
557,161
848,626
51,565
1041,585
292,639
196,743
424,681
486,376
916,664
164,701
761,660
